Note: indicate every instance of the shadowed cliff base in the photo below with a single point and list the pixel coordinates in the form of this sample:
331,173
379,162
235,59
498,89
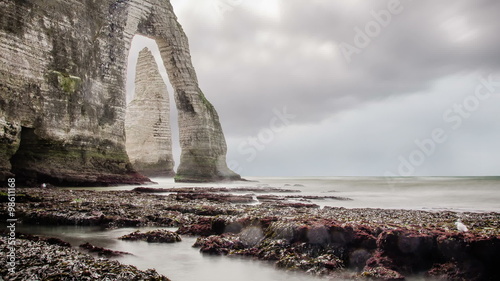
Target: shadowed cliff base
39,160
197,168
201,178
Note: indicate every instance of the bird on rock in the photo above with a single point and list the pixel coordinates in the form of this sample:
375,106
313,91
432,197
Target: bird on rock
461,227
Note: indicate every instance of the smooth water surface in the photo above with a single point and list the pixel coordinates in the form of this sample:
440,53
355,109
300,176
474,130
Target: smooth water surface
178,261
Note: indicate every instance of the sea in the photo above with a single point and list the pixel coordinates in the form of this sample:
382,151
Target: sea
181,262
459,194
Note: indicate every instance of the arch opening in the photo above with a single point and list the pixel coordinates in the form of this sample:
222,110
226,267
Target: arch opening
151,121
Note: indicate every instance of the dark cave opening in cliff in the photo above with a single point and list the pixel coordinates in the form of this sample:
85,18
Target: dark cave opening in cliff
29,148
146,121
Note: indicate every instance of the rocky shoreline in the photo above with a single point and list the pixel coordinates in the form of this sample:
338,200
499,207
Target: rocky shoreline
366,244
42,260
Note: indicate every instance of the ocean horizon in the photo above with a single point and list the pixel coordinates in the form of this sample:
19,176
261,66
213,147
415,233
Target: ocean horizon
430,193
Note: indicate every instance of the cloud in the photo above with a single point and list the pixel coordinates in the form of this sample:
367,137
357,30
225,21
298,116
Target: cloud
371,138
295,61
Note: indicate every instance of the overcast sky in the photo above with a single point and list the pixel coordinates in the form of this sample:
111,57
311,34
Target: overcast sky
351,88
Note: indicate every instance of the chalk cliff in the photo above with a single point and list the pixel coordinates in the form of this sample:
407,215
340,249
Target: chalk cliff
62,103
147,121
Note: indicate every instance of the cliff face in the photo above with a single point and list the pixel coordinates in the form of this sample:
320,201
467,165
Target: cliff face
62,103
147,121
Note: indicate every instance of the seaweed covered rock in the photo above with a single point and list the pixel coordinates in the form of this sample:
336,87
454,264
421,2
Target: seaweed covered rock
320,265
410,251
382,273
219,245
102,251
154,236
43,261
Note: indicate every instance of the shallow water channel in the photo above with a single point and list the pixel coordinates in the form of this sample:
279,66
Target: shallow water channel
179,261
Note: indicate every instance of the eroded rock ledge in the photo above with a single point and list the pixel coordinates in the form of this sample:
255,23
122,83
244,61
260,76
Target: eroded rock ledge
352,243
62,79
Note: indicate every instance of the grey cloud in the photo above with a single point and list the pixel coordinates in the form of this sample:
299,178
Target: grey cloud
407,56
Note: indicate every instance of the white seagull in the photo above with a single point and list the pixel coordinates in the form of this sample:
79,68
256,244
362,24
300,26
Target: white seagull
460,226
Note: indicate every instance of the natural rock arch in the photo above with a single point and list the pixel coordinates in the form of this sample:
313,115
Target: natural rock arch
203,156
69,90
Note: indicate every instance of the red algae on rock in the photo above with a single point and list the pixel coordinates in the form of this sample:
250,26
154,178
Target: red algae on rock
154,236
